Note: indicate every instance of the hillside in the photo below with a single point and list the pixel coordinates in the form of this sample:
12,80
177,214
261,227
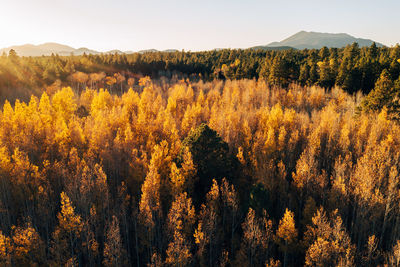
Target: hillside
317,40
47,49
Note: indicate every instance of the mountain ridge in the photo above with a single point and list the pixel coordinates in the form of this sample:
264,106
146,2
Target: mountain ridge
317,40
46,49
299,40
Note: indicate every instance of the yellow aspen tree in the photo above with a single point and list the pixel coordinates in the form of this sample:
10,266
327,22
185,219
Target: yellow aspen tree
394,256
230,209
178,251
182,215
155,261
114,254
177,179
150,205
286,235
5,250
28,248
255,240
272,263
207,233
181,218
328,242
372,252
64,104
67,233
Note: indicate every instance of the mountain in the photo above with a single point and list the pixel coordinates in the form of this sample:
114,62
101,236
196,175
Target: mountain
47,49
148,51
155,51
317,40
272,48
171,50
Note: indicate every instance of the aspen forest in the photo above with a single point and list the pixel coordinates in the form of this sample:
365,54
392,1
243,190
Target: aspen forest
217,158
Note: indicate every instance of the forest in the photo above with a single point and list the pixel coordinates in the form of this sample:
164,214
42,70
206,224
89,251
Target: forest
218,158
351,68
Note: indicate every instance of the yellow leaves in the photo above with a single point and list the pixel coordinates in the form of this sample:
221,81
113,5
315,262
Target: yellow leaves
181,216
26,241
253,234
150,203
45,109
199,236
5,165
113,250
318,250
282,137
177,179
144,81
275,116
213,194
305,170
240,156
287,230
328,241
23,172
64,103
383,116
345,136
110,80
101,102
68,220
178,251
5,249
150,198
224,67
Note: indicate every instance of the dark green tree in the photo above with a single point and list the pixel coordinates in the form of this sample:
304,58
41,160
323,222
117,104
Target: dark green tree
385,94
211,157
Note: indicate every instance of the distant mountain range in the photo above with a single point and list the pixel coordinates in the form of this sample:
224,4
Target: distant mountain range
47,49
155,50
300,40
317,40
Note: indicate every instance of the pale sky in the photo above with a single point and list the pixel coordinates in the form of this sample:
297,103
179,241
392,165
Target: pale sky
191,25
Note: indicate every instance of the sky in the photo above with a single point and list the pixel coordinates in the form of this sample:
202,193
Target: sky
134,25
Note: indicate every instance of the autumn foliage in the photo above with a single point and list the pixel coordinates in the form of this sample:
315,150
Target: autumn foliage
184,173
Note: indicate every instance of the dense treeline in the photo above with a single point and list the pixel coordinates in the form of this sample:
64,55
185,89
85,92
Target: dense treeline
351,68
217,173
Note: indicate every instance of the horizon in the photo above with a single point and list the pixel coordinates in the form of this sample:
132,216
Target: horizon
150,48
190,26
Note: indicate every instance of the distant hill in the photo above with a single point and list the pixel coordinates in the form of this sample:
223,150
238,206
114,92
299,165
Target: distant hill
300,40
47,49
273,48
171,50
148,51
317,40
155,51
